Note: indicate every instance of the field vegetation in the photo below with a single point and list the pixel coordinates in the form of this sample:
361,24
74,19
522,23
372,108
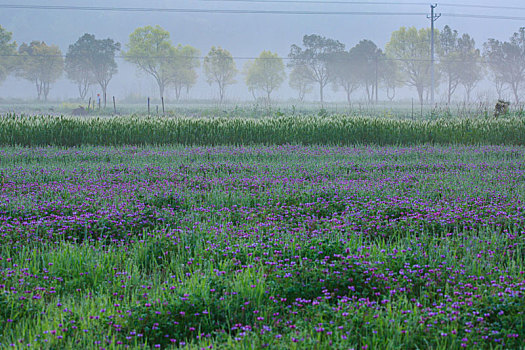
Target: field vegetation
283,247
321,129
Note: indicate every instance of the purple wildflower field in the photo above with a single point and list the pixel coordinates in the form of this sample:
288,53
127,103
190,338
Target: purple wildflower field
280,247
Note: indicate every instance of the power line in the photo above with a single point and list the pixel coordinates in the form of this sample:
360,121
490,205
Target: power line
193,10
341,2
465,15
493,7
247,11
381,3
320,2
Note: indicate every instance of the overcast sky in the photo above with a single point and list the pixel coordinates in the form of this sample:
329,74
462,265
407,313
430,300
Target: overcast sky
242,34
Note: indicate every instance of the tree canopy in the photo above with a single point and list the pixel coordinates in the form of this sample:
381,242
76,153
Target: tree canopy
391,78
104,65
316,57
183,74
265,73
300,80
507,61
460,61
151,50
369,60
220,68
472,67
7,53
78,65
40,64
345,70
411,48
90,60
450,64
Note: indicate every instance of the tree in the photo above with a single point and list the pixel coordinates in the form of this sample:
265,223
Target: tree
266,73
460,61
220,68
472,68
507,61
316,55
391,78
103,60
411,49
300,81
78,64
7,53
250,82
499,85
345,70
90,61
450,64
150,49
368,57
183,74
40,64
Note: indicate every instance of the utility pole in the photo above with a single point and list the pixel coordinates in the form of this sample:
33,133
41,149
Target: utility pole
432,19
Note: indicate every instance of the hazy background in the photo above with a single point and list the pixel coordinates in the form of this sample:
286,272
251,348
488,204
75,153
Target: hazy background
244,35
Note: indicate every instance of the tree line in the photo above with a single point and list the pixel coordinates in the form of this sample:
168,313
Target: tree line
317,61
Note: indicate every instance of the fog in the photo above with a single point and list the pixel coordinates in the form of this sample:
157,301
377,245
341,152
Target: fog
244,35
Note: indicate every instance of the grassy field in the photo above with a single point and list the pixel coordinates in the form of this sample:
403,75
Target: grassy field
283,247
42,130
251,109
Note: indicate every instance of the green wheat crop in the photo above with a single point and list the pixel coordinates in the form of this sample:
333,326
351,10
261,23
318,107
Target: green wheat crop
41,130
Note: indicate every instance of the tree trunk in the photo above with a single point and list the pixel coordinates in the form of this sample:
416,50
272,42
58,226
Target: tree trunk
321,93
391,98
38,89
178,88
82,90
161,89
104,87
499,88
377,91
302,92
46,90
105,92
420,91
515,91
449,89
221,90
367,92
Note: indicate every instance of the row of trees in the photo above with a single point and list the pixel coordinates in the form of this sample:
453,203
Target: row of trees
88,61
319,61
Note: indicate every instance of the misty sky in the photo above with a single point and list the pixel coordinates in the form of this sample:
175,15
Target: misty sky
244,35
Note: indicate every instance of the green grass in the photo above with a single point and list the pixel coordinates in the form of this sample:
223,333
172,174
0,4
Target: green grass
25,130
